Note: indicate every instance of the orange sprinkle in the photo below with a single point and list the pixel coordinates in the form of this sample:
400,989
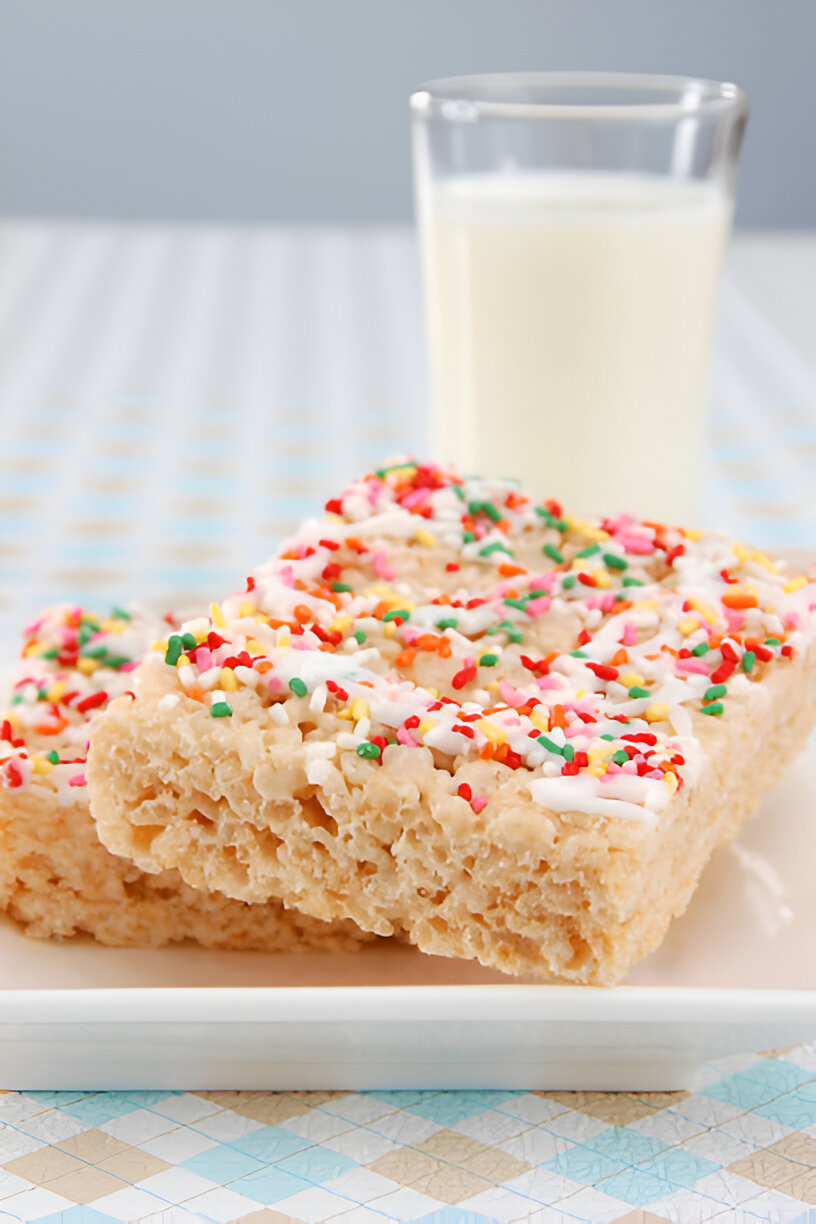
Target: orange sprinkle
739,600
509,571
264,666
406,657
619,657
427,641
196,692
51,728
444,648
486,752
302,613
557,718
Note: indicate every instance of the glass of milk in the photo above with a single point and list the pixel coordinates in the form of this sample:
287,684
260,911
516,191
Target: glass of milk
572,229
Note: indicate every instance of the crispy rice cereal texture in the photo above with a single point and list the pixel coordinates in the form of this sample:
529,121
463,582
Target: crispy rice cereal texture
56,879
443,709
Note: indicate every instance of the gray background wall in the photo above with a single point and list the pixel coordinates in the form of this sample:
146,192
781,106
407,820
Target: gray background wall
295,110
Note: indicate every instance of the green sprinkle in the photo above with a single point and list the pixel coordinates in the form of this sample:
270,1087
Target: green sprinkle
535,594
549,745
700,649
620,596
117,661
553,553
121,614
772,642
632,582
370,751
16,699
402,613
716,690
360,636
94,652
577,654
496,546
340,588
608,737
85,634
614,562
515,603
636,691
173,651
220,709
188,641
468,537
550,519
488,660
297,686
589,552
459,491
716,708
484,507
51,653
748,661
53,757
514,634
569,582
447,622
568,752
620,757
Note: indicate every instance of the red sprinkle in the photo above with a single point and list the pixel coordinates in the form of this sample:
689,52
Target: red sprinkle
463,677
465,792
334,506
250,586
468,731
91,702
330,544
335,688
452,566
603,671
14,774
723,671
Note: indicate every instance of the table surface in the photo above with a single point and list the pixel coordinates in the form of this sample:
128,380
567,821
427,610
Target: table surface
171,402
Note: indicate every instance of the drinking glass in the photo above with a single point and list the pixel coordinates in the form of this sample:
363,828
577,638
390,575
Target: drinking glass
572,228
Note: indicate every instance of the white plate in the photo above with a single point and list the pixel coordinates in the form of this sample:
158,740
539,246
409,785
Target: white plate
737,972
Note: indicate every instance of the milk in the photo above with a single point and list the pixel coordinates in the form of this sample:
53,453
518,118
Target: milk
570,320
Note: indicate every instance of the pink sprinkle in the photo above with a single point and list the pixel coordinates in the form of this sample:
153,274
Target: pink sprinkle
286,576
635,545
479,803
274,683
546,581
536,606
550,682
735,619
405,737
792,620
510,694
77,780
620,524
417,497
203,658
657,774
299,643
126,667
692,665
409,636
629,635
381,566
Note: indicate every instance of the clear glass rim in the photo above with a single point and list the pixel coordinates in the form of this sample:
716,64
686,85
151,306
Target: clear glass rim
468,98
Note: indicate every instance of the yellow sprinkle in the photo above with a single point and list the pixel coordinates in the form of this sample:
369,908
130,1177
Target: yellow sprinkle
226,680
493,686
491,732
87,666
705,610
795,584
597,754
434,692
217,616
247,608
540,721
692,533
593,534
254,647
57,690
389,629
425,726
13,719
345,713
688,625
657,712
340,624
424,537
671,781
359,709
283,638
114,625
602,578
40,765
581,693
646,605
597,770
159,645
632,679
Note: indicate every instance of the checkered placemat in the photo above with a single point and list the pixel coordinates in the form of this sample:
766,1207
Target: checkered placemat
171,403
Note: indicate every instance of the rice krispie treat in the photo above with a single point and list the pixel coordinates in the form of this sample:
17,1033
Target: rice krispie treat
56,879
445,709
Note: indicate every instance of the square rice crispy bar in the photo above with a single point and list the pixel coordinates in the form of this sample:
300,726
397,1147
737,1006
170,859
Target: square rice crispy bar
446,710
56,879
